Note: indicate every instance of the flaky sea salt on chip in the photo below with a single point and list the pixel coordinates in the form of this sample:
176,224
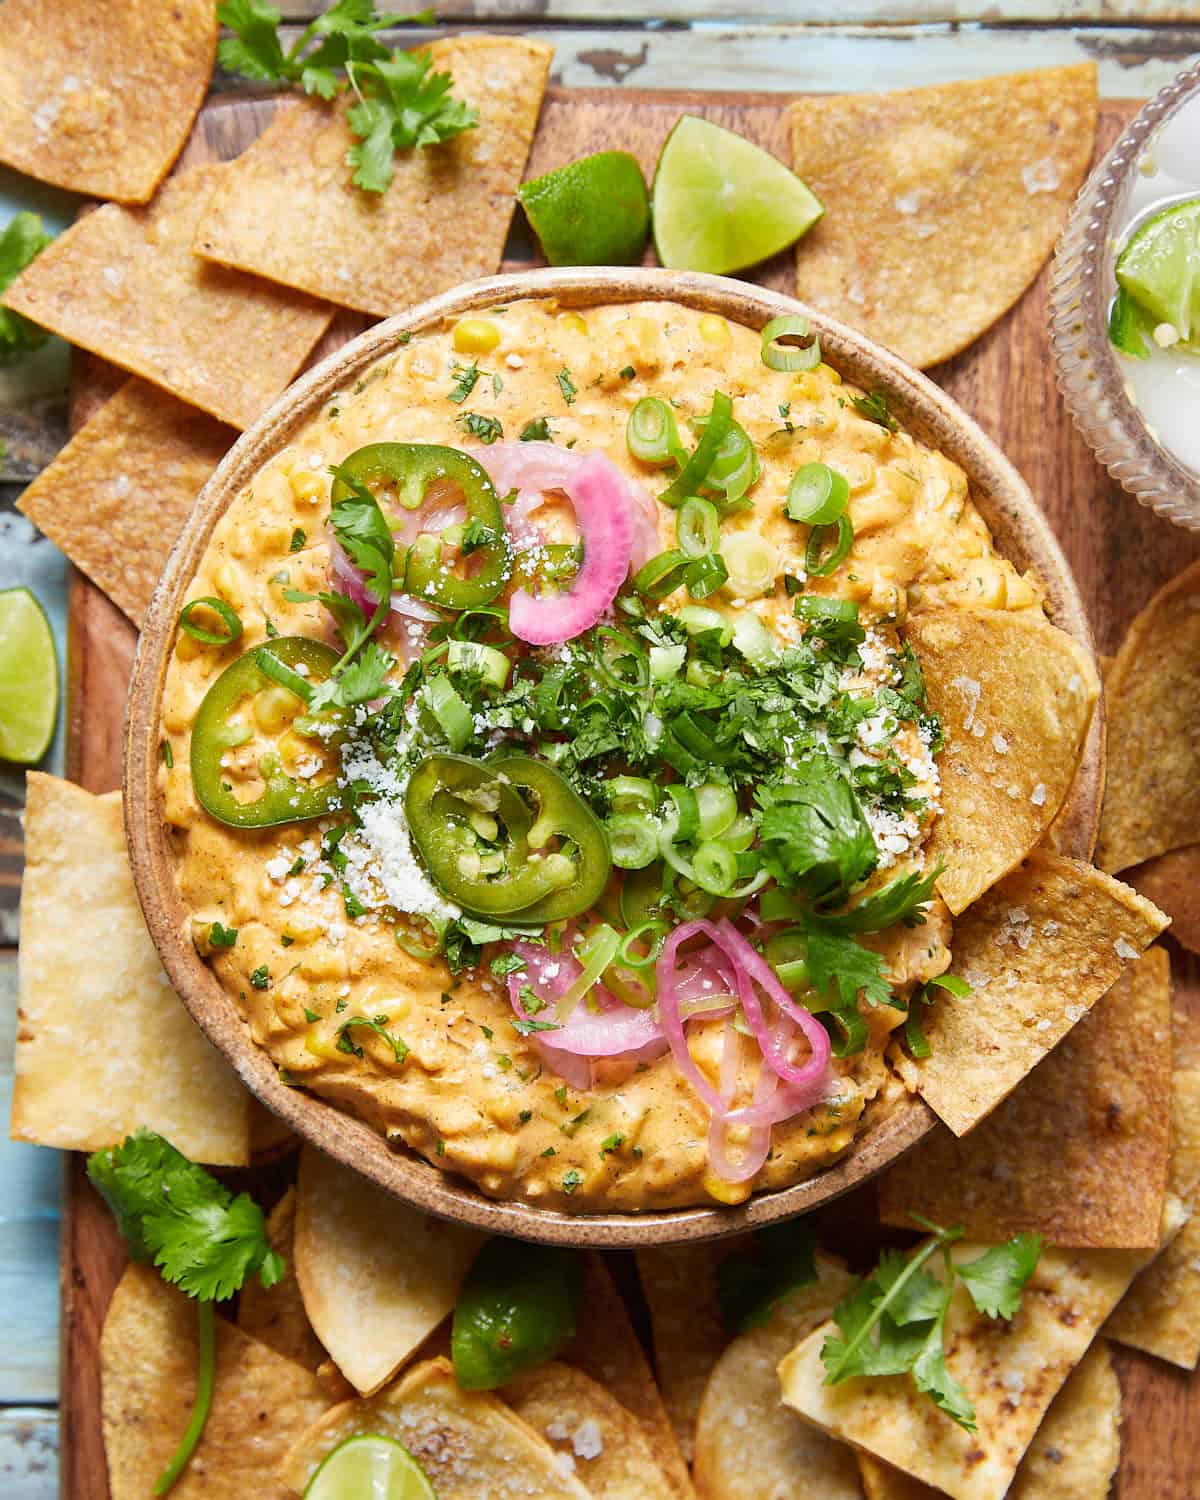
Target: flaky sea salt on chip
104,1045
1074,1453
1152,796
116,496
1038,951
148,1368
469,1444
1015,696
1078,1152
941,204
376,1276
123,282
99,98
288,210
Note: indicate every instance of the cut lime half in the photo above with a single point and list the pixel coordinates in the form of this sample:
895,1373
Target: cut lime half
592,212
721,203
369,1467
1160,269
28,678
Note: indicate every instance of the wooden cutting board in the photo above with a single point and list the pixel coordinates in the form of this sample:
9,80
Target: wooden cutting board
1120,554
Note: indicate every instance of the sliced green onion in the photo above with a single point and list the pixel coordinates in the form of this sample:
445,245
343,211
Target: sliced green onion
632,839
749,887
651,434
695,737
848,1031
474,623
595,953
817,495
692,902
697,527
223,611
776,357
753,640
697,618
717,806
415,948
641,895
615,649
715,867
452,714
270,666
631,794
485,662
683,818
653,933
666,662
818,563
752,562
706,575
778,905
820,610
740,834
662,575
735,468
695,471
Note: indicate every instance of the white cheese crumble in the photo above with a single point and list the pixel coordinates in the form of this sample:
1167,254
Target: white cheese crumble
588,1441
1124,948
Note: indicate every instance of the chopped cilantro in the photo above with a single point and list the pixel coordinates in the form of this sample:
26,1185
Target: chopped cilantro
560,1093
566,385
346,1043
569,1127
486,429
464,383
297,865
487,1031
311,1015
354,907
287,940
506,963
168,755
441,1147
261,977
531,1001
525,1028
549,1151
299,537
537,431
874,407
341,1006
221,937
612,1142
627,373
571,1180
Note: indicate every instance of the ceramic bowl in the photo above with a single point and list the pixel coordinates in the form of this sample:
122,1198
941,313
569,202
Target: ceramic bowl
1021,533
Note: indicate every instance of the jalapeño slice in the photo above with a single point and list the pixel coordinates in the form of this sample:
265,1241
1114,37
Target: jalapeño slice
411,475
283,799
507,837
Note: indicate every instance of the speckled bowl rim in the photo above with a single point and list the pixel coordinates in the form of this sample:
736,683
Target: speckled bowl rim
1081,287
1021,533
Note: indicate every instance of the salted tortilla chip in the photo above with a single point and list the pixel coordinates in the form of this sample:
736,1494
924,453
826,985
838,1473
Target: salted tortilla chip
276,1316
607,1348
748,1444
104,1045
1038,951
101,100
1152,796
595,1437
1073,1456
1172,882
1078,1152
123,282
287,209
941,204
376,1275
117,495
470,1445
1015,696
680,1285
148,1361
1011,1371
1161,1311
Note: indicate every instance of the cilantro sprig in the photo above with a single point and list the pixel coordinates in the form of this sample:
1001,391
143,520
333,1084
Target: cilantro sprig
22,241
893,1321
204,1240
400,104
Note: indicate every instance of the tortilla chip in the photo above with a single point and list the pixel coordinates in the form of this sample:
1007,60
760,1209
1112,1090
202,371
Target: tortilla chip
123,282
101,100
1161,1311
376,1275
1172,882
1078,1153
1038,951
104,1045
1073,1456
117,495
148,1360
941,204
748,1444
595,1437
276,1317
607,1348
470,1445
1015,696
270,1138
1011,1371
287,209
680,1284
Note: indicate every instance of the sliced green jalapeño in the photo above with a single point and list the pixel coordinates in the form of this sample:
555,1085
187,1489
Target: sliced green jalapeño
409,475
507,837
283,799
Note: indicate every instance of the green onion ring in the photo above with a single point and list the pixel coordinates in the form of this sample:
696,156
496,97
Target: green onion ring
706,575
223,611
662,575
270,666
651,434
628,648
776,357
817,495
697,527
817,562
654,932
695,471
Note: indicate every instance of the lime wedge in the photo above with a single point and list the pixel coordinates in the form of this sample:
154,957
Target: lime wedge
28,678
592,212
1160,268
721,203
369,1467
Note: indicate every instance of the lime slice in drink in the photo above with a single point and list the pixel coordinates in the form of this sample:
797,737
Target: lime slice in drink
721,203
369,1467
1160,269
592,212
28,678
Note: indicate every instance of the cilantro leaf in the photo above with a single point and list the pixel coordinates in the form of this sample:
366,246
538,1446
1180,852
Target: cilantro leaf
932,1378
254,50
754,1280
377,1024
834,959
22,241
402,106
813,833
361,681
465,377
372,157
486,429
899,901
566,385
536,431
874,407
997,1278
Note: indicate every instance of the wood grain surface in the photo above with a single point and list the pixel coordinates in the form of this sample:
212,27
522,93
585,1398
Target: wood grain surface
1120,554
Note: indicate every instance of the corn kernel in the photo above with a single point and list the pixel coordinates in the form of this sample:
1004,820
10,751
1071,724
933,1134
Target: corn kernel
226,580
1020,594
988,586
829,373
725,1192
475,336
292,749
574,322
714,330
307,486
807,386
274,709
187,648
